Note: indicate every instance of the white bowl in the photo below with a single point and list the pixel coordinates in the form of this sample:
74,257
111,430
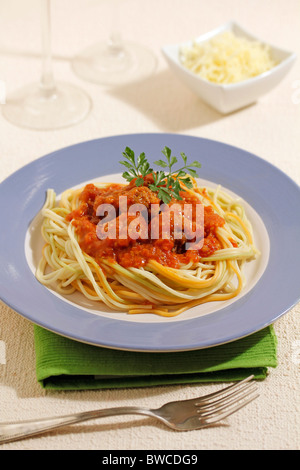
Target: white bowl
226,98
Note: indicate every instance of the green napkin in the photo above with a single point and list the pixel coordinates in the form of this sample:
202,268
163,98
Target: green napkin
65,364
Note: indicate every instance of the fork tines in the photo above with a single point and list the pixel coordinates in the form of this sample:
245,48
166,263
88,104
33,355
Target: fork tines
217,406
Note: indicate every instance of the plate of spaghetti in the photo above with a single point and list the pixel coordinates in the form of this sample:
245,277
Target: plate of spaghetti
150,242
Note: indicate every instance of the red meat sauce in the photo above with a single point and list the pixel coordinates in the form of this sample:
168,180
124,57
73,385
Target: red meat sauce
136,252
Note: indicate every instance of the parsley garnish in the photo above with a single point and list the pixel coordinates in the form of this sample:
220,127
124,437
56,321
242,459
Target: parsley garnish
166,185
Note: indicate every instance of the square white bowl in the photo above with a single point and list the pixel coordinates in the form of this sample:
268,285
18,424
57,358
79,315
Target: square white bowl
227,98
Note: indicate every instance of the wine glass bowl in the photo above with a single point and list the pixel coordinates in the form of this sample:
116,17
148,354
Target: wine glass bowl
47,105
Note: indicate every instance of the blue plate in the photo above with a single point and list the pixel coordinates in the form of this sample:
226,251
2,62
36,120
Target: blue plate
273,195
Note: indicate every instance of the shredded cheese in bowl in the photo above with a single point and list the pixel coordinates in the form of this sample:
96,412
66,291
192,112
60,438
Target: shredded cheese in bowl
227,58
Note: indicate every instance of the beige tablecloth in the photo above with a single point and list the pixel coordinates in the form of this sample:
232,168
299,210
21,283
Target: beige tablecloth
270,129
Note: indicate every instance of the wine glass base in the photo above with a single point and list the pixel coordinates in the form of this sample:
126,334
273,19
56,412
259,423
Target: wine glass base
109,65
32,108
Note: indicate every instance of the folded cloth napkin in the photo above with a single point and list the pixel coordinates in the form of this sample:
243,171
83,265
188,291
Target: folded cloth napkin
65,364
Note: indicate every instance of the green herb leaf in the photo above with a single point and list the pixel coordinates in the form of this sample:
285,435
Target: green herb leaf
127,176
139,181
193,173
161,163
184,157
166,185
167,152
195,163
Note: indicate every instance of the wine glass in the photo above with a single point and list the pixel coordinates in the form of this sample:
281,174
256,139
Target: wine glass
47,105
114,62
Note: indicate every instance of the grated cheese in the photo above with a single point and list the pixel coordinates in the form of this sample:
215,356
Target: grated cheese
227,58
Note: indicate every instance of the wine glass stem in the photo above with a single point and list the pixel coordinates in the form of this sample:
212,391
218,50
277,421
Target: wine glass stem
115,43
47,83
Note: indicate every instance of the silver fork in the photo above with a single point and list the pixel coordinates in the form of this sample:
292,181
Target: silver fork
184,415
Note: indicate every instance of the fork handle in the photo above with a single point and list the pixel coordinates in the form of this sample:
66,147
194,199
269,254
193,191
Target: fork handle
14,431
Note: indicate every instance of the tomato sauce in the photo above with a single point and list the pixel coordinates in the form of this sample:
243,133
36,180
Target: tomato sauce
133,244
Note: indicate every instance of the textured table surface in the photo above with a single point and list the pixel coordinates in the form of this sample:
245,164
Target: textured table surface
270,129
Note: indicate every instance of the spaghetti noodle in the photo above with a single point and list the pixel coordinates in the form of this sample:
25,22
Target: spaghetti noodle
144,275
